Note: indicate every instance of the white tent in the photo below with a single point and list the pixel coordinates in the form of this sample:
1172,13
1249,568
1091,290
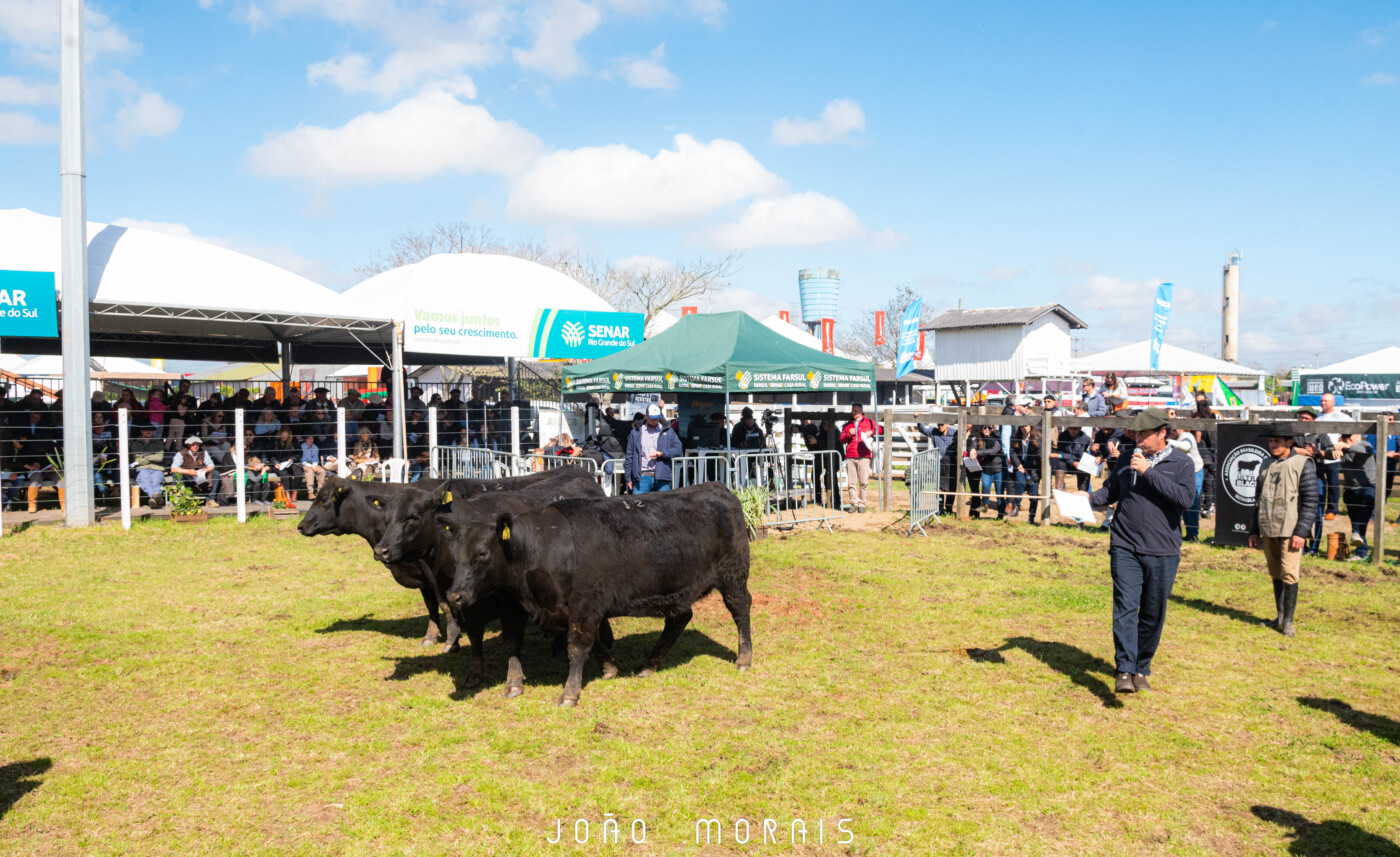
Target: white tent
490,303
796,334
1137,359
1383,362
660,323
109,368
1371,379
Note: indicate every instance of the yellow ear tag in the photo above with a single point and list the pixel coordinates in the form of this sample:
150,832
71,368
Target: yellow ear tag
505,534
446,498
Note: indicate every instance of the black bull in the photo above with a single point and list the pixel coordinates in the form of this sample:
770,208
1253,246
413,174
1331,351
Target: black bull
575,563
411,534
349,507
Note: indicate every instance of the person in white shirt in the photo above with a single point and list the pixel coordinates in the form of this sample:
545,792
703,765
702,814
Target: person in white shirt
1332,466
1186,442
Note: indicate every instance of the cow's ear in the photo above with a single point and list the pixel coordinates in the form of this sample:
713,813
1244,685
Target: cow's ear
442,496
509,543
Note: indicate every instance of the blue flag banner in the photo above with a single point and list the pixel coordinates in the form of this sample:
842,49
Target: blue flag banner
909,337
1161,312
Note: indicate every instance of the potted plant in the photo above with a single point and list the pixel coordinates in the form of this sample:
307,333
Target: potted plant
55,459
754,500
282,508
185,508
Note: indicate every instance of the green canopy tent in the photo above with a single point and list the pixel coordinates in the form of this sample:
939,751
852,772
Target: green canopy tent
725,353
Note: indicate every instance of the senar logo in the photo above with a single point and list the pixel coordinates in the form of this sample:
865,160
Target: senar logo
617,381
744,379
814,379
572,332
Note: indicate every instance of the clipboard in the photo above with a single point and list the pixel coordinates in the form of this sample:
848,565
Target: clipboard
1089,464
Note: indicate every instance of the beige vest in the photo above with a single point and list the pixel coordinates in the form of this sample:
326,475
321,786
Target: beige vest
1278,496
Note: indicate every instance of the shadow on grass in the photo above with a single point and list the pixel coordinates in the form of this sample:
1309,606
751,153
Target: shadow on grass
18,779
547,669
1327,838
1217,609
411,629
1377,724
1081,667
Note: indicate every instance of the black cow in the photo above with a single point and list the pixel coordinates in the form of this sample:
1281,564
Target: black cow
350,507
415,531
575,563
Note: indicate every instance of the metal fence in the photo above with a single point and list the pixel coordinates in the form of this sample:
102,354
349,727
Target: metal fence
802,487
923,477
699,467
470,462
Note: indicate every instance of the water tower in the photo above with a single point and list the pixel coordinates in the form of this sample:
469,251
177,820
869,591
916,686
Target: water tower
818,289
1230,310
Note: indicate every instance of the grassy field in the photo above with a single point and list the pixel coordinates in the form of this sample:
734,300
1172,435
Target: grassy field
243,690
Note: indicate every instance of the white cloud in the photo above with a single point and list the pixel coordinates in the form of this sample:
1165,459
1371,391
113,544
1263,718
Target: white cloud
796,220
23,129
14,90
31,28
1380,78
557,28
1063,266
838,121
621,186
710,11
1376,37
734,299
427,134
888,239
352,73
282,256
649,73
1004,272
146,115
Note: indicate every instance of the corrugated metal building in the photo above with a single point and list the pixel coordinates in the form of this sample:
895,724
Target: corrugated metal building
1005,344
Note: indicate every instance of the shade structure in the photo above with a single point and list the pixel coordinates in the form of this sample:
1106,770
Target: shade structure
1137,359
1372,379
159,295
723,352
101,369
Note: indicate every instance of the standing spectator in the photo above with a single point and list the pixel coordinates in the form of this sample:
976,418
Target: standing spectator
1069,448
1206,445
1094,404
1332,465
1145,544
180,422
987,449
945,439
649,454
1186,442
1050,404
1025,465
148,460
416,444
192,464
747,434
816,438
1358,471
1284,510
858,443
1115,392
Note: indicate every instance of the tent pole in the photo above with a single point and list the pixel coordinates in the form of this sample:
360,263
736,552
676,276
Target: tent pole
510,377
77,403
286,368
397,369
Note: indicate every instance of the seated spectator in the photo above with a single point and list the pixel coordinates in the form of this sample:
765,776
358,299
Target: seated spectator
322,426
267,424
285,458
364,458
312,473
104,456
193,466
215,431
180,421
258,483
148,460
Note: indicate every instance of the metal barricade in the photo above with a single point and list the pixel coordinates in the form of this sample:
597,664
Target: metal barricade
537,462
922,478
802,487
470,462
700,467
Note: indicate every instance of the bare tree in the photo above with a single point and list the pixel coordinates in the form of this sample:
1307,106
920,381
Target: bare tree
859,338
645,290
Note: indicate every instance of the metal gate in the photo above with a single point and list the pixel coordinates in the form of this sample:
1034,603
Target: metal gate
922,478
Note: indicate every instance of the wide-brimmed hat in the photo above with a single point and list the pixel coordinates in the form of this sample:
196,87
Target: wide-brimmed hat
1310,411
1278,430
1149,419
192,440
321,390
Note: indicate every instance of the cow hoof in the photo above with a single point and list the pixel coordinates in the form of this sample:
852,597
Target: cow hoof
472,681
566,702
609,671
646,672
743,668
450,648
513,691
429,641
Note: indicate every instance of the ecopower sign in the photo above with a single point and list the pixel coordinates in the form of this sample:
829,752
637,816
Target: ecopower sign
557,334
1353,386
28,306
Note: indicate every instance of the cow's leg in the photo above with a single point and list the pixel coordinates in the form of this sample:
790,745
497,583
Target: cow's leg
737,599
603,649
513,633
674,625
475,626
435,630
454,629
581,634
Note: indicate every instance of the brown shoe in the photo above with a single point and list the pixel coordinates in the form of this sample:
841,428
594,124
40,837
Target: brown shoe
1140,683
1124,684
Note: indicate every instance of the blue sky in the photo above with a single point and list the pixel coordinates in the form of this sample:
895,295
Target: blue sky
1000,154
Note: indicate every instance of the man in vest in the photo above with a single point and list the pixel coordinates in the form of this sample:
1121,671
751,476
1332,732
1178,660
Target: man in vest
1286,505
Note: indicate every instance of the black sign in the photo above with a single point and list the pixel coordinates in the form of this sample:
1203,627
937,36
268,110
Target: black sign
1242,452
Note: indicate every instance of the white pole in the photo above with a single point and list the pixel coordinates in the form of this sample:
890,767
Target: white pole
240,474
124,465
77,406
515,431
341,468
432,442
399,403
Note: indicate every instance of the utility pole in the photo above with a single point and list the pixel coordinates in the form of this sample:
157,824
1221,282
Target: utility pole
77,404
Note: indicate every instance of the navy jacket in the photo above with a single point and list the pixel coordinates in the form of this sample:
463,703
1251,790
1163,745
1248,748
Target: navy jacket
1150,504
667,444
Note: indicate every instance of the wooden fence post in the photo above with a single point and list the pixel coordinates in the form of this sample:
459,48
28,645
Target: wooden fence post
958,479
1382,441
886,464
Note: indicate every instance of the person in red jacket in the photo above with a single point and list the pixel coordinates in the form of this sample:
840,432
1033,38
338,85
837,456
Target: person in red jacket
858,442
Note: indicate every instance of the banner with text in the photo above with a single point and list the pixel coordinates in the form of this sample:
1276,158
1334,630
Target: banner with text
1243,451
519,332
27,304
1353,386
1161,314
568,334
910,338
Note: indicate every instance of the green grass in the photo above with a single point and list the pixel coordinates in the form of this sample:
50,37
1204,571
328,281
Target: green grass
243,690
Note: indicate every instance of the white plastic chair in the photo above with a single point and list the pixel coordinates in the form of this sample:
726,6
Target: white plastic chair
396,469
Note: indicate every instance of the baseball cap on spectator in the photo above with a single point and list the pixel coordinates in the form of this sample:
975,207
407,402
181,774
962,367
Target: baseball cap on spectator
654,412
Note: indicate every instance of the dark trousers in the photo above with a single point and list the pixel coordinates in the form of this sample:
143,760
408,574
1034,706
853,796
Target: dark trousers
1028,482
1207,482
1316,540
948,479
1332,470
1141,585
1361,504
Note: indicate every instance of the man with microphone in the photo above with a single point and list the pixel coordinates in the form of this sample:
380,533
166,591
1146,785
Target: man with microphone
1144,546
